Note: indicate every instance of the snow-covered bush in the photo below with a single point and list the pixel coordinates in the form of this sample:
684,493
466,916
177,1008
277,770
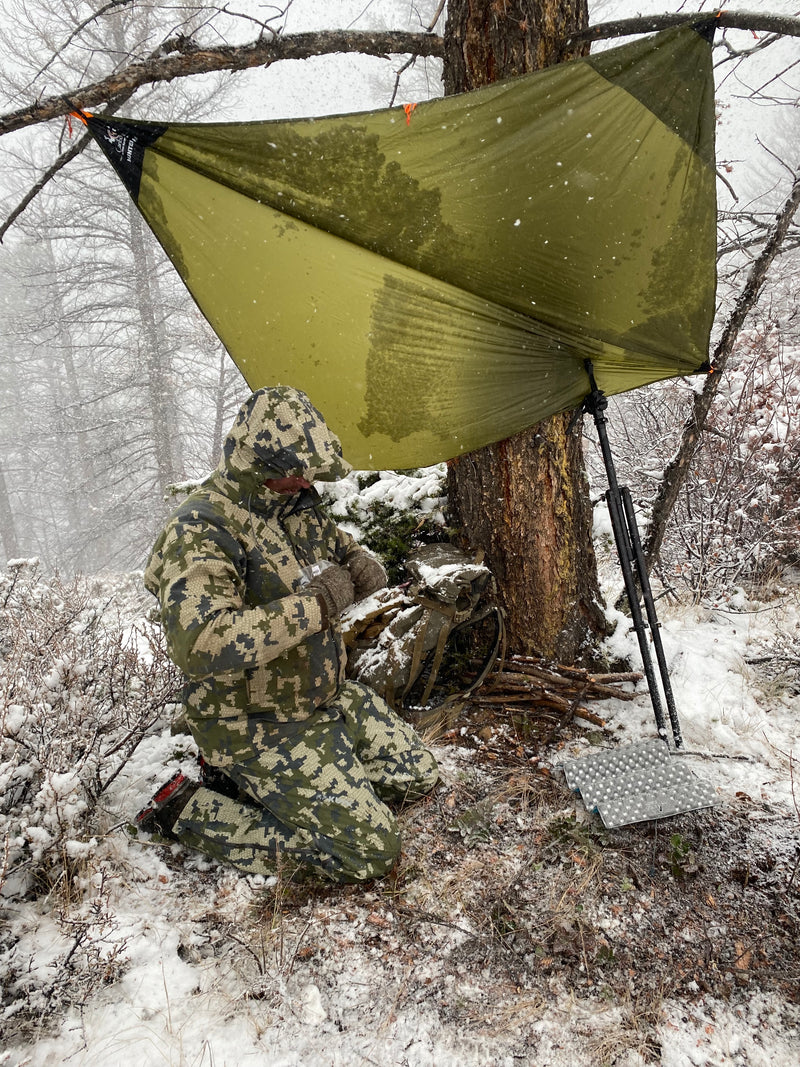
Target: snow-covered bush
737,519
391,512
61,962
743,509
78,691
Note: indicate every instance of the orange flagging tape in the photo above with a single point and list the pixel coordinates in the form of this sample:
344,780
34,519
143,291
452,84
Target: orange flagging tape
408,108
82,115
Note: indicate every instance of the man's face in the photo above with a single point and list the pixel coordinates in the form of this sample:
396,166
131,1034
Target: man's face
292,484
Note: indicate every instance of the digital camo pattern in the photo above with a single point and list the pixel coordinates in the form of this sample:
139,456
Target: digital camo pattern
279,432
227,570
264,696
318,790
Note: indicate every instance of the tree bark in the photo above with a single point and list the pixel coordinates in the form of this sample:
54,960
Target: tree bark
486,40
525,501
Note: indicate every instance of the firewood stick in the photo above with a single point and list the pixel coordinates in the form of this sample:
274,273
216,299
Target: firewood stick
591,688
576,672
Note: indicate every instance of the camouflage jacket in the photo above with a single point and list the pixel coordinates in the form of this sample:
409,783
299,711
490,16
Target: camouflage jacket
227,570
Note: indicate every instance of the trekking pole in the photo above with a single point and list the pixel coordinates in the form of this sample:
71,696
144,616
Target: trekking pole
652,617
623,525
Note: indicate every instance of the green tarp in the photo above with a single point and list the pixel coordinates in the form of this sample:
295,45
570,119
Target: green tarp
434,278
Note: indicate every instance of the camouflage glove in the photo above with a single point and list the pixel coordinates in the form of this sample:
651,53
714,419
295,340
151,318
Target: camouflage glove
367,574
334,591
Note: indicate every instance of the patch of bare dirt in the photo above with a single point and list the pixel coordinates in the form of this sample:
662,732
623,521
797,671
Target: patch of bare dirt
511,901
510,896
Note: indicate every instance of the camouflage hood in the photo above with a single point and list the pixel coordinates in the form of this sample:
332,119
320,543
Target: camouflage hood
277,433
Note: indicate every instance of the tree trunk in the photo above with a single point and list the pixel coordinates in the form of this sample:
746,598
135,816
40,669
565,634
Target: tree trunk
8,529
525,501
156,362
76,455
486,40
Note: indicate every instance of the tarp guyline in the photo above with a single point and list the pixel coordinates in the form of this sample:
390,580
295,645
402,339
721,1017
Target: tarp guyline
435,278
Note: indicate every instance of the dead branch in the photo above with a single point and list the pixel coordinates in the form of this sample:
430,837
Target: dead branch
532,703
191,59
182,57
678,469
530,685
580,712
784,25
604,685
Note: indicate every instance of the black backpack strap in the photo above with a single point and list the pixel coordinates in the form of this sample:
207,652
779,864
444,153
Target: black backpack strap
495,652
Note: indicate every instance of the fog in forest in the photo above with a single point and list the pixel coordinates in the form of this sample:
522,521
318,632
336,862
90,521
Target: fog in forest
115,388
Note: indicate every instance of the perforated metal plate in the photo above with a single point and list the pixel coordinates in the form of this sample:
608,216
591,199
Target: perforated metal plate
610,762
635,783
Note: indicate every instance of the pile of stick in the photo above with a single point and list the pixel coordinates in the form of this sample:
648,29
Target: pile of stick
532,684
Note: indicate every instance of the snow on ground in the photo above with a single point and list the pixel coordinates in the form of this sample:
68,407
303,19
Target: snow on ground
725,711
207,967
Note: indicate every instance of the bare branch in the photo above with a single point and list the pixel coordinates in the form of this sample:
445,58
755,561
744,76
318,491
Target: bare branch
193,59
436,16
408,63
82,26
678,468
50,173
729,20
263,24
725,181
789,245
54,168
776,157
745,53
72,152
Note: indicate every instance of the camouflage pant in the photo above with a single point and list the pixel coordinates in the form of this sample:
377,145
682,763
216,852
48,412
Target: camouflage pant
317,787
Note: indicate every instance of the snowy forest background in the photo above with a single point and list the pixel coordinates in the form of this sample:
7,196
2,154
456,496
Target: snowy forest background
114,386
512,930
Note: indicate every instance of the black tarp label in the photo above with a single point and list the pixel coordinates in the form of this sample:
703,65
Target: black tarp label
124,144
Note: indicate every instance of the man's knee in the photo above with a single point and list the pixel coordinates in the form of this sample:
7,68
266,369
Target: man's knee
378,862
426,771
408,777
359,857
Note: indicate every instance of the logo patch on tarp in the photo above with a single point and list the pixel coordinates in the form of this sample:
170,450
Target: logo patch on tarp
124,144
